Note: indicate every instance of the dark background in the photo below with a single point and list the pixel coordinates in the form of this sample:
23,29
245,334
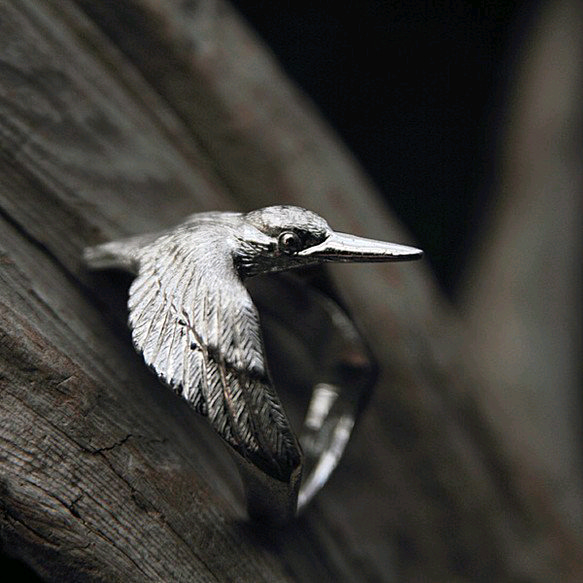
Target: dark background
418,92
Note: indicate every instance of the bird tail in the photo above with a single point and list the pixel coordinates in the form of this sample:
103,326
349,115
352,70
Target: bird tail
121,254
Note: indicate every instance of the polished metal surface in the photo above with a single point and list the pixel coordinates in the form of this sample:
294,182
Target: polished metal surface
194,321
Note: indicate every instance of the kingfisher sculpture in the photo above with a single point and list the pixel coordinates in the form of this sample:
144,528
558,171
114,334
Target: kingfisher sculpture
195,324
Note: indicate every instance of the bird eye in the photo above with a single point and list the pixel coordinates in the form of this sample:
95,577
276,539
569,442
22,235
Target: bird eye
289,242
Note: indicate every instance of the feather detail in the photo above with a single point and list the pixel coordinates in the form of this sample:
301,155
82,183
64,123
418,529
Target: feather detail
197,327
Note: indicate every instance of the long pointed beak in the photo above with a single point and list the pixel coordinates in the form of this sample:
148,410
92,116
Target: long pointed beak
344,248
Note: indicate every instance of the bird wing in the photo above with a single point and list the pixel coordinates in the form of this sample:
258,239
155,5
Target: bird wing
196,326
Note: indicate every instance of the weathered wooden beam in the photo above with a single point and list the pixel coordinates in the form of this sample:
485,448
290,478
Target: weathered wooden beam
106,474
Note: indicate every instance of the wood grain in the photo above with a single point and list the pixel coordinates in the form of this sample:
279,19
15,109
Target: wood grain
122,117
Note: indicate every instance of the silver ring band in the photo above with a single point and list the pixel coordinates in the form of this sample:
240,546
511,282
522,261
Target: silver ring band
345,373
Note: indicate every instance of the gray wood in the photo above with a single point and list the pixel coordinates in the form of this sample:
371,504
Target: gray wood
527,272
123,119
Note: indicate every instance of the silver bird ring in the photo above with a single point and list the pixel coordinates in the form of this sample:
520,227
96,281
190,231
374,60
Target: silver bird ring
194,322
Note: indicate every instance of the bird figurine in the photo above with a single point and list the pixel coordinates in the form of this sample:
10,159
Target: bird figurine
195,323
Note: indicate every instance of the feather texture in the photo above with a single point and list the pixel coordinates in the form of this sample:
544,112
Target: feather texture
196,326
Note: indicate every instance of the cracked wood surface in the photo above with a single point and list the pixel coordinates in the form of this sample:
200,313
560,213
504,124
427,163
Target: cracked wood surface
123,117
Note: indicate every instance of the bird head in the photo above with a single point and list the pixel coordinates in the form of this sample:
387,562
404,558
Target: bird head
279,238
